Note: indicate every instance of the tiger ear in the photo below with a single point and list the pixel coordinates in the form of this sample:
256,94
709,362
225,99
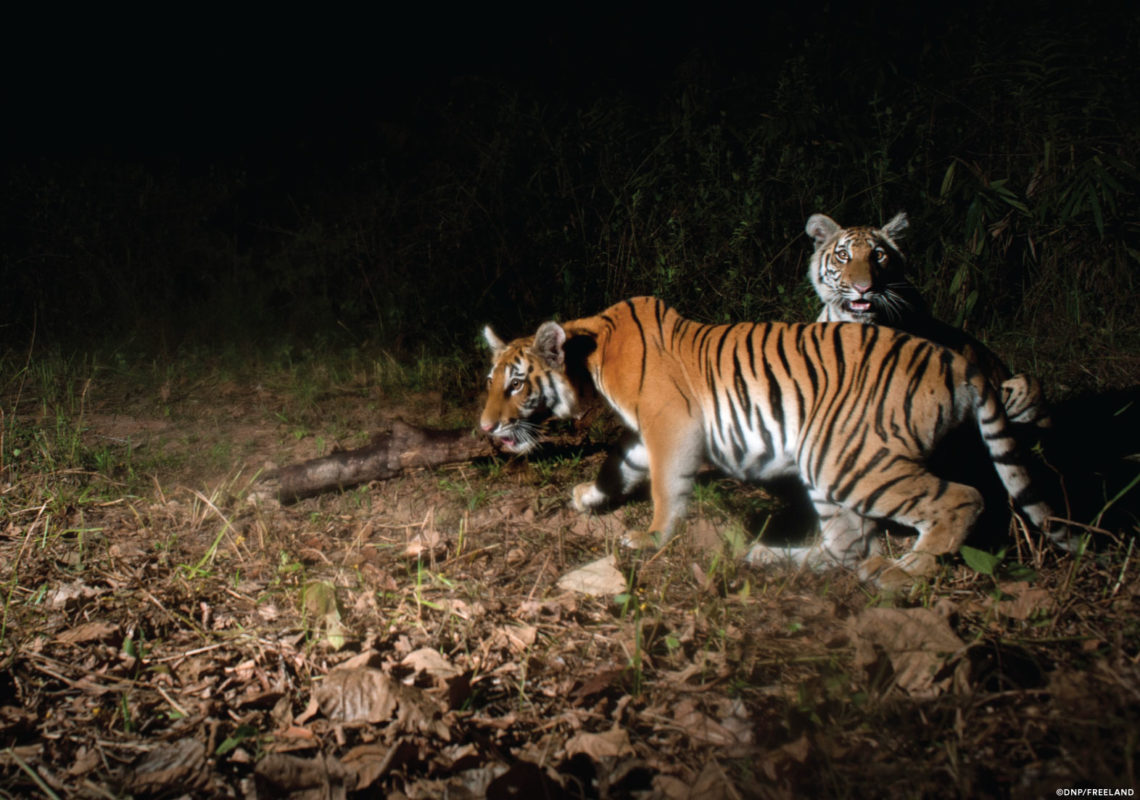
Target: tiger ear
494,342
820,227
897,224
549,344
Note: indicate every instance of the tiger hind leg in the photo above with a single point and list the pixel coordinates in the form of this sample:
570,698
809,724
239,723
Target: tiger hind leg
845,540
941,511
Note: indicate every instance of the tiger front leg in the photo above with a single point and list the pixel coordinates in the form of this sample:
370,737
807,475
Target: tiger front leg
624,470
675,454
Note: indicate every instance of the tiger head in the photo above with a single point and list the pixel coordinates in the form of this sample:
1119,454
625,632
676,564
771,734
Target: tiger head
858,272
527,384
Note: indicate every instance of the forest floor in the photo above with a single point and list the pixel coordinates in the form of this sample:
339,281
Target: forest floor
434,635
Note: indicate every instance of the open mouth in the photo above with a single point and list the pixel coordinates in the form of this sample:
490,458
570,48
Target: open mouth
858,306
511,444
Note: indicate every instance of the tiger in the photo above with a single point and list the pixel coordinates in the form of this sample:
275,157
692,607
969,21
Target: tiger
859,274
853,410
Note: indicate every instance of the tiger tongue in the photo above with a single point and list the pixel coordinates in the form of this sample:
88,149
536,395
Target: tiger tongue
859,305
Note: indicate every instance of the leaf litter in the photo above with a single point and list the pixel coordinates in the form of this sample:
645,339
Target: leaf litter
461,632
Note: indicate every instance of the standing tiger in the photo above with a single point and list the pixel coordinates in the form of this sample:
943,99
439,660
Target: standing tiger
853,410
859,274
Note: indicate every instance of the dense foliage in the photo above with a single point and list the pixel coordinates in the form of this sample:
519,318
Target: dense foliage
1009,137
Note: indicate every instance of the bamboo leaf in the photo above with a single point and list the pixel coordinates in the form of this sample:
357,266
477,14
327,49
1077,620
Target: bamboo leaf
947,179
1098,215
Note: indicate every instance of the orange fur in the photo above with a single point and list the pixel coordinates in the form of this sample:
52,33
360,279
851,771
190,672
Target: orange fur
853,410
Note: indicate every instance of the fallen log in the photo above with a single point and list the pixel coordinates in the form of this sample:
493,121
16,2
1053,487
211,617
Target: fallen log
404,447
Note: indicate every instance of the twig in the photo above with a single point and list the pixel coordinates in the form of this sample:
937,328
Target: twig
31,773
1123,568
189,622
470,554
91,681
90,786
538,578
174,703
190,653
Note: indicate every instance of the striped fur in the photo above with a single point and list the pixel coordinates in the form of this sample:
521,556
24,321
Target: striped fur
859,274
853,410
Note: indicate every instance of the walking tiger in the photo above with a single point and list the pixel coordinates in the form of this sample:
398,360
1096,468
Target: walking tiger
853,410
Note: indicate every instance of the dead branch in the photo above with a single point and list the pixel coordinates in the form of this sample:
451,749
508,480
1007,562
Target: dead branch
404,447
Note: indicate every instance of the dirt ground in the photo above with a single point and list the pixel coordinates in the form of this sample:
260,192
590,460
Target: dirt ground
434,635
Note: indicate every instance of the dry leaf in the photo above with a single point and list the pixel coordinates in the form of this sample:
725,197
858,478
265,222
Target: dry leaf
369,695
470,784
519,637
798,750
777,761
600,577
918,643
428,543
736,730
357,695
295,778
670,788
91,632
69,594
432,662
182,763
369,762
714,784
1026,601
614,743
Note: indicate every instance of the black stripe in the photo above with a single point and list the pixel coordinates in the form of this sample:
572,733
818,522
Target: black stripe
684,396
775,398
872,498
740,384
720,345
1027,497
644,345
1012,458
857,475
660,311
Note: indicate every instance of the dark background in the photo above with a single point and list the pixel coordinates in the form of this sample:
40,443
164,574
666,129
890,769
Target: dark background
397,179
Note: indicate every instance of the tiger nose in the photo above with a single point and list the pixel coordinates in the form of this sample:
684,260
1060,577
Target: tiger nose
860,287
487,426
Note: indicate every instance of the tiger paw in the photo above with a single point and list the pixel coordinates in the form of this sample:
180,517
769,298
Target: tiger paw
639,540
760,555
586,498
898,574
